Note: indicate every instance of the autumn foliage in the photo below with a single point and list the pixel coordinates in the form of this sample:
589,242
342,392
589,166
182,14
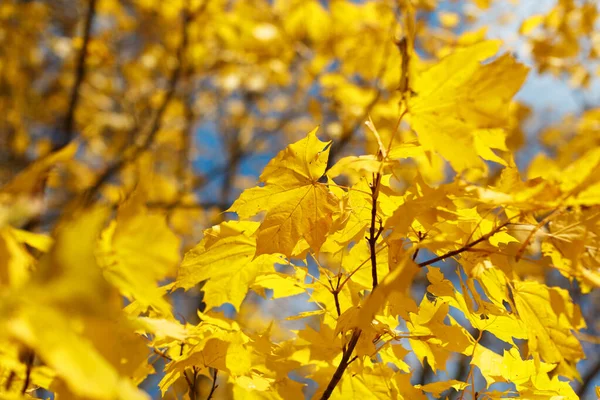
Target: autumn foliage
391,247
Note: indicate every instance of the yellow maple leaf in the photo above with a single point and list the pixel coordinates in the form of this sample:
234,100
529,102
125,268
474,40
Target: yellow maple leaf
370,382
489,316
434,339
530,377
283,285
15,261
458,99
397,281
224,258
436,388
297,205
551,317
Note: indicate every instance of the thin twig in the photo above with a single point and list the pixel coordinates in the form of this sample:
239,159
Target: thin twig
465,247
470,375
336,298
374,234
161,354
335,291
543,222
186,206
214,384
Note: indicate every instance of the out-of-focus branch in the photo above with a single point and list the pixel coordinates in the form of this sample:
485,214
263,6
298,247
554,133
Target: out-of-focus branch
155,125
219,170
338,146
588,378
235,152
349,132
80,71
188,206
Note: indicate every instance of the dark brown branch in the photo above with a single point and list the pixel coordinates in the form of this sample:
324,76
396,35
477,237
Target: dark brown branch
336,298
214,384
374,232
80,71
465,247
339,372
235,158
